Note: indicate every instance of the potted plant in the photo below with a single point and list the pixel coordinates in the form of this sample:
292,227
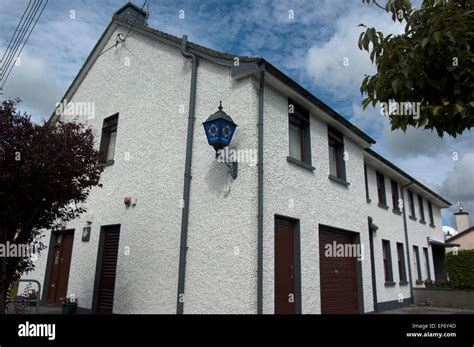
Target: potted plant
32,296
70,304
429,283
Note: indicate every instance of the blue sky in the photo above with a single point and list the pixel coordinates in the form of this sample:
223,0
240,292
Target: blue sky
309,46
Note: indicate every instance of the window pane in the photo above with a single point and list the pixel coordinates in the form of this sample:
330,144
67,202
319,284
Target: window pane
295,142
333,161
111,146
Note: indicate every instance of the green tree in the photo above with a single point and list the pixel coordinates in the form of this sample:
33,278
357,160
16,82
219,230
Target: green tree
430,62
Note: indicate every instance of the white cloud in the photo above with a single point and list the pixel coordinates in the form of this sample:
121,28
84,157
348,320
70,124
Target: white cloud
33,82
325,61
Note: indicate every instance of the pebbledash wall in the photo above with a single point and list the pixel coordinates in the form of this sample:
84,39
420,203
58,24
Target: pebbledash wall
221,270
310,197
391,228
147,83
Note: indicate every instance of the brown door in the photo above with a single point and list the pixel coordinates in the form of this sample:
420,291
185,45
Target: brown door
338,274
286,294
60,265
108,267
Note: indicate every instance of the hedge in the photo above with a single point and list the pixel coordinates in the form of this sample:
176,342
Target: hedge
460,268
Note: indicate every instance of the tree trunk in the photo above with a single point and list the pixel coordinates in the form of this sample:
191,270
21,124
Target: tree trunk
3,285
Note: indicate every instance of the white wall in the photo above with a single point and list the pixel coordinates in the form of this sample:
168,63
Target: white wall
391,228
148,93
317,200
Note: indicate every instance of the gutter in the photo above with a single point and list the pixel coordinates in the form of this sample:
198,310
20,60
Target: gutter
405,227
187,179
261,68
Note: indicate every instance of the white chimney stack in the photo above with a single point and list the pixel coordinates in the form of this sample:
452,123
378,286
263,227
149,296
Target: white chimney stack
462,218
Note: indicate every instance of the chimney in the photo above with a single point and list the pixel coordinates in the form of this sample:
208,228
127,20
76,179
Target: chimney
462,218
132,14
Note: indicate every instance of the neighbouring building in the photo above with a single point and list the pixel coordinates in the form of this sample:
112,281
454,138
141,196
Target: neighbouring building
320,223
465,235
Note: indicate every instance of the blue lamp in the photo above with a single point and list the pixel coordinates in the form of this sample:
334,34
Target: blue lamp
220,128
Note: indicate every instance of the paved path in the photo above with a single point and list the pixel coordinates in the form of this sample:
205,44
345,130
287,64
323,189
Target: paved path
414,309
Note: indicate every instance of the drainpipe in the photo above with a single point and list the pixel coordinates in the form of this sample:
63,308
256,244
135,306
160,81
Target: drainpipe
406,241
187,179
372,263
260,190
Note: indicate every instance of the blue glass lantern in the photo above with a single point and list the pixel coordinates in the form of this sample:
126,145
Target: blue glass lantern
219,129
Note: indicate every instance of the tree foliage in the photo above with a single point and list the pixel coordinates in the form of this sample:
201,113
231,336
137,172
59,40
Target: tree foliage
430,62
46,172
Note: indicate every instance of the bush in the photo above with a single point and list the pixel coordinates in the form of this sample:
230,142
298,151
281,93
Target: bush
460,268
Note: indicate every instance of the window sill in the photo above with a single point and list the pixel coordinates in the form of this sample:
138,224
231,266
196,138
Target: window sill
432,225
389,284
397,211
419,282
338,180
412,218
108,163
385,207
301,163
422,221
403,283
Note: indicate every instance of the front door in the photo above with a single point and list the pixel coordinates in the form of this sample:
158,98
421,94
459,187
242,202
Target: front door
286,267
108,267
61,262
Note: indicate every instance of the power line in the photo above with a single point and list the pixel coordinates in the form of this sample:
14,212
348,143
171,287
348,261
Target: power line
24,43
21,19
19,38
17,41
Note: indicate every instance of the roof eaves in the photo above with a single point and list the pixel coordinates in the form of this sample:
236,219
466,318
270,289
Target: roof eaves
304,92
407,176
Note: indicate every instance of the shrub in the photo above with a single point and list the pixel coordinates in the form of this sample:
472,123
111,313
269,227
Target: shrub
460,268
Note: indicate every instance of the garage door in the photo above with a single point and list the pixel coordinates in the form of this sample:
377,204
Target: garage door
338,274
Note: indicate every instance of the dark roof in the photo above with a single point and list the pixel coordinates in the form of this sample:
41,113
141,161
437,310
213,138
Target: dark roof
404,174
468,230
443,244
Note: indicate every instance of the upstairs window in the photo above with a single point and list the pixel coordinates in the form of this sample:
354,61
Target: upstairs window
299,138
108,138
381,189
395,196
411,203
422,210
430,212
337,165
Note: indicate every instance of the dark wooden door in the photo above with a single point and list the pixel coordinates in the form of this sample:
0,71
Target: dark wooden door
60,265
285,271
108,268
338,275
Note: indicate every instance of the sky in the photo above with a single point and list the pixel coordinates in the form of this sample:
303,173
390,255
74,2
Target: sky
312,41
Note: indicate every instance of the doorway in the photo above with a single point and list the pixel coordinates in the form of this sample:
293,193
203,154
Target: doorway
287,266
61,250
106,269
